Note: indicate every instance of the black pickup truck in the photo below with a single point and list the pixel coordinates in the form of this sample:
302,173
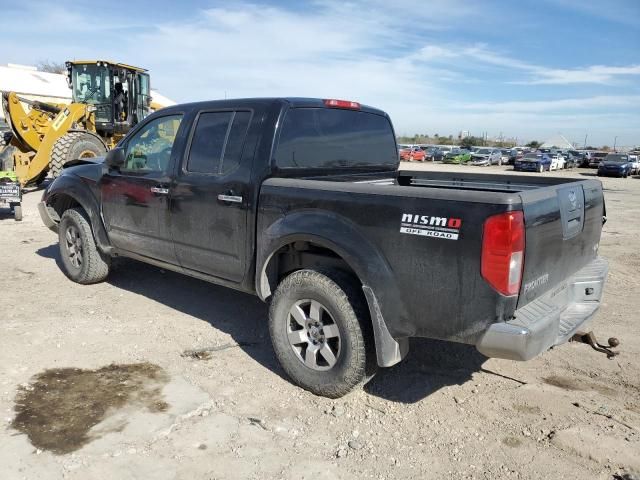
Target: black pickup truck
300,202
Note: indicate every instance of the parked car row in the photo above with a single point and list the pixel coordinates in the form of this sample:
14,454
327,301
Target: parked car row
525,159
479,156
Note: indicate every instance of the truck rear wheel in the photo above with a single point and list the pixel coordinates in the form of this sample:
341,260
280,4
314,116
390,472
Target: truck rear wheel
321,333
82,261
73,146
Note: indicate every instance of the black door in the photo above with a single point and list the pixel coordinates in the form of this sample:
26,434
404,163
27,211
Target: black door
135,198
209,198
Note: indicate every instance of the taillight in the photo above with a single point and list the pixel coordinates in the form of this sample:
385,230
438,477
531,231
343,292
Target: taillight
342,104
503,251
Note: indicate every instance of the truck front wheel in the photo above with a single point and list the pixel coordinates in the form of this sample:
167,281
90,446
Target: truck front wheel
321,333
82,261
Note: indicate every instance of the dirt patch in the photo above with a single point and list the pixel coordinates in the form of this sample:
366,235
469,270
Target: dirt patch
532,410
513,442
578,384
564,382
60,406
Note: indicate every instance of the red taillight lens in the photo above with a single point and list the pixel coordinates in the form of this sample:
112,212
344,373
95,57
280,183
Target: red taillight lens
342,104
503,251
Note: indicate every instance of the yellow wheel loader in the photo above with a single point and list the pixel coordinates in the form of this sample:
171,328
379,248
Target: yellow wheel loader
107,100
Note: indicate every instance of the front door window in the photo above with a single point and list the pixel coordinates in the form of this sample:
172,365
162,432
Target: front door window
149,151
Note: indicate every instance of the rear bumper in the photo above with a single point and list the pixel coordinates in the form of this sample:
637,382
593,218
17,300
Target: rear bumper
47,217
549,320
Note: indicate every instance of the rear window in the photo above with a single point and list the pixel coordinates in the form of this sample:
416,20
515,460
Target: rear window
330,138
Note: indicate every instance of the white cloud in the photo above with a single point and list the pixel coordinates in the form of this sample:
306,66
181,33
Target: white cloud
534,74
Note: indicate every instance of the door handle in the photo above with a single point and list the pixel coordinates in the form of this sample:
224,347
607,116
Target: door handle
160,190
230,198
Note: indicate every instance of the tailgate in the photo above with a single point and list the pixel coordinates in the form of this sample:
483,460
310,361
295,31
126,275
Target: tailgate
563,225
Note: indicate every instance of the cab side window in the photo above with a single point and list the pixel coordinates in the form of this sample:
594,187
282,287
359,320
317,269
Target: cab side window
218,142
149,150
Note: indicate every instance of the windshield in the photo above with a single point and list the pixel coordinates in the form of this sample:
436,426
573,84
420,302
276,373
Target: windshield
484,151
616,158
91,84
532,156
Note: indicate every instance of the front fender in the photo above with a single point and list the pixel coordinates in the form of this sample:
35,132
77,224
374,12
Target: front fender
340,235
80,190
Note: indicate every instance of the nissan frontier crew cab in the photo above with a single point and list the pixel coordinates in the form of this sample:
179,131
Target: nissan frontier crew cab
300,202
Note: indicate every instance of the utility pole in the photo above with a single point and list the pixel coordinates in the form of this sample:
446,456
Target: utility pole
615,140
585,140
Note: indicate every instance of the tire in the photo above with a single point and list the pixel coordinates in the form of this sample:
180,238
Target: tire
6,151
6,157
344,329
72,146
541,169
17,213
81,260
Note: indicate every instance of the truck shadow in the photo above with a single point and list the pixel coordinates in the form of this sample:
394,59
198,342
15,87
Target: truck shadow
430,365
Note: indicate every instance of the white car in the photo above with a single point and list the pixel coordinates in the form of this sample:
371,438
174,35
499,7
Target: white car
557,161
445,149
635,164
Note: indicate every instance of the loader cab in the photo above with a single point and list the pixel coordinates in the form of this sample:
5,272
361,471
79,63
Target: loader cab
118,95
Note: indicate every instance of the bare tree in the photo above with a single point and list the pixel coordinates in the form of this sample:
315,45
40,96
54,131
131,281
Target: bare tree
51,67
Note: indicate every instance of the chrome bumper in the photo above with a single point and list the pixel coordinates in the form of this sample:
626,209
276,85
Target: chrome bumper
549,320
47,217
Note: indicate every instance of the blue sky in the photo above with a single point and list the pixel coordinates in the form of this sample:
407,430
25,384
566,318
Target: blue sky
526,69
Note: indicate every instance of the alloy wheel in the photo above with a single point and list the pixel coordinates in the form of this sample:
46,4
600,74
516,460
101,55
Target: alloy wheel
74,246
313,335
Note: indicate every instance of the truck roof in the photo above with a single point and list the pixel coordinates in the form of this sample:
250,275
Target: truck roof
291,101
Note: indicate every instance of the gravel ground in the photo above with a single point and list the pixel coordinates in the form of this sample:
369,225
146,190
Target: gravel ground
95,383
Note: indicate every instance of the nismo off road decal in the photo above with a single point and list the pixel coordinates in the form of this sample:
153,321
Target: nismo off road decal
431,226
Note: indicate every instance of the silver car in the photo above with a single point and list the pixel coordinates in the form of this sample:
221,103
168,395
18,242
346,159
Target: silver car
486,156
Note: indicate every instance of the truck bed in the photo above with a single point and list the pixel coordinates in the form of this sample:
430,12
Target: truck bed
478,181
431,286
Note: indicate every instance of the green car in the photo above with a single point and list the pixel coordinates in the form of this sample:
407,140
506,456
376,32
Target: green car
458,157
11,193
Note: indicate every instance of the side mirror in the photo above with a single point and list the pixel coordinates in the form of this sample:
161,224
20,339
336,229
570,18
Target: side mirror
115,158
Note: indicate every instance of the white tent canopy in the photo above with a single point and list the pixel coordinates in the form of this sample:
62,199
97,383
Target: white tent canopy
559,142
